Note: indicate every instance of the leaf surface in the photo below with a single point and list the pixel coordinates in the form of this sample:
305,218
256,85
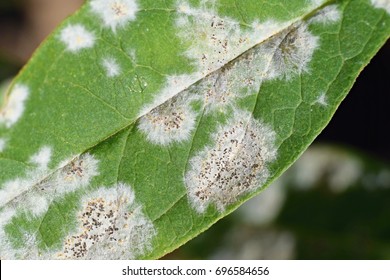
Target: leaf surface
139,124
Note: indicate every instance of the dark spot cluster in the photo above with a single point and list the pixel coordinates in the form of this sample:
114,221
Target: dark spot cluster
170,115
99,223
231,167
75,168
118,9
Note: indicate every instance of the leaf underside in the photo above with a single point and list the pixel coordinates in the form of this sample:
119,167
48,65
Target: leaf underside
139,124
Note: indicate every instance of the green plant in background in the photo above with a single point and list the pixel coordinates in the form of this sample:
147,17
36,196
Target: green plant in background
139,124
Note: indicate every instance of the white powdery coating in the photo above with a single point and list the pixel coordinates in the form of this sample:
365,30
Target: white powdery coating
220,90
111,66
3,144
235,165
115,13
78,173
173,121
290,52
33,193
316,3
327,15
322,99
381,4
14,105
173,85
6,250
214,40
112,226
76,37
18,193
28,251
13,189
42,158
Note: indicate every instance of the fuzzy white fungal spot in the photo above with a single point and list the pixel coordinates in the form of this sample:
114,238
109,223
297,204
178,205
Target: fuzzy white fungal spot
174,85
290,52
133,55
77,37
327,15
14,105
17,193
36,204
111,66
322,100
170,122
3,144
381,4
316,3
112,226
115,13
238,79
235,165
78,173
28,251
42,158
33,194
12,189
6,249
216,40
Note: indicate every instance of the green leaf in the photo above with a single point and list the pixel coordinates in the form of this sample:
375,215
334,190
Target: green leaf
138,124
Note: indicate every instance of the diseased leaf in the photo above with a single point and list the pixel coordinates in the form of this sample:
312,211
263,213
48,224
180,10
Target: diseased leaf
139,124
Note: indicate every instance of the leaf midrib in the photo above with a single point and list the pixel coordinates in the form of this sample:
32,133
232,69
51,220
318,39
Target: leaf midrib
133,122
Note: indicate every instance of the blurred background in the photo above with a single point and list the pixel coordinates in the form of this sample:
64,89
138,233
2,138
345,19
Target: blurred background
333,203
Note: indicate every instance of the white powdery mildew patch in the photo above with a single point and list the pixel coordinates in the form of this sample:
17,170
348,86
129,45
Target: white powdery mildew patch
111,67
33,193
235,165
172,121
76,174
3,143
76,37
6,250
115,13
28,251
112,226
290,52
316,3
381,4
14,105
216,40
238,79
328,15
322,100
42,158
173,85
